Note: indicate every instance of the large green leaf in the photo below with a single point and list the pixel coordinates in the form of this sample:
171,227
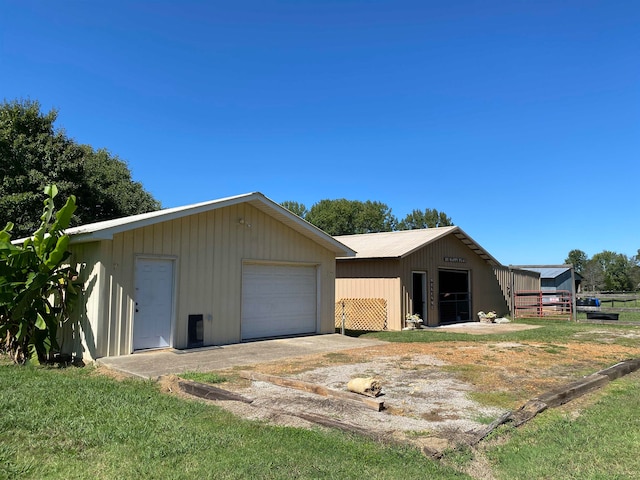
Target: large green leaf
63,217
59,253
40,322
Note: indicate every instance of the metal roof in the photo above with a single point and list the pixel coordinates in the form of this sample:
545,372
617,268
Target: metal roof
547,271
106,229
399,244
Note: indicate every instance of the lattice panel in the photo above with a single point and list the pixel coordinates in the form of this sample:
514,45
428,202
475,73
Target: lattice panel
362,313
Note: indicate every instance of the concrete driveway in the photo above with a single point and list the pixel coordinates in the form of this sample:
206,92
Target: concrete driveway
155,363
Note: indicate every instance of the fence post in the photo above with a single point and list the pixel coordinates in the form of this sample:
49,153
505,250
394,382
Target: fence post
343,318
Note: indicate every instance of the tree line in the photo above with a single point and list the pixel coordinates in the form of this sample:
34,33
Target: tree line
349,217
607,270
33,153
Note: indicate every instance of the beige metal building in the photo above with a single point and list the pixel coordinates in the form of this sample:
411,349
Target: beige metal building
213,273
441,274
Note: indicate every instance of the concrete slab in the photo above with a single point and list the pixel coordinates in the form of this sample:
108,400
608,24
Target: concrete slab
477,328
155,363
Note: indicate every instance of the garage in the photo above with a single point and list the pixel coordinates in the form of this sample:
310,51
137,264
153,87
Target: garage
278,300
207,274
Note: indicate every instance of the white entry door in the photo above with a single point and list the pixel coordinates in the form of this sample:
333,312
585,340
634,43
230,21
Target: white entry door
278,300
154,303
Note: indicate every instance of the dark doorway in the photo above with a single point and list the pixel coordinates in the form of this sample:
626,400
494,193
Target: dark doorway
420,295
454,297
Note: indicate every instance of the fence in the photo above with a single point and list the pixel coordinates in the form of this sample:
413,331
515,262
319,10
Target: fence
540,303
362,313
619,301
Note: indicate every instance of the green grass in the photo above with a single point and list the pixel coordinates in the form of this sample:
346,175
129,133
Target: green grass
552,332
601,443
73,423
499,399
203,377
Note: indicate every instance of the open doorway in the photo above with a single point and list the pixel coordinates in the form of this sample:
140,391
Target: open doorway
419,291
454,297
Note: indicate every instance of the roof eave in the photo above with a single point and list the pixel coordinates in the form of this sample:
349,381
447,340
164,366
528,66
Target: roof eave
476,248
257,199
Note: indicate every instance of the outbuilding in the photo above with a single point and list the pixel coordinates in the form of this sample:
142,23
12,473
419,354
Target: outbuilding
556,277
220,272
440,274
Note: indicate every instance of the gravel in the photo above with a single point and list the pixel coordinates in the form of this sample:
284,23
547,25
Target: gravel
421,400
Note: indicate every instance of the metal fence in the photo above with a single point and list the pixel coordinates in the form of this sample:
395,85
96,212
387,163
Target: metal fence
541,303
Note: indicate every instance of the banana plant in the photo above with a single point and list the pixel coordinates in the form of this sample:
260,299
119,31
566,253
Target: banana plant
37,288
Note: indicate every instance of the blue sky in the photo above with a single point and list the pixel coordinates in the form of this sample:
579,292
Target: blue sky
519,119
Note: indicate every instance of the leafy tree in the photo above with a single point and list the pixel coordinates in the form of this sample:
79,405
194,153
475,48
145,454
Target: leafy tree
33,153
578,258
375,217
36,288
347,217
294,207
592,276
617,271
429,218
635,271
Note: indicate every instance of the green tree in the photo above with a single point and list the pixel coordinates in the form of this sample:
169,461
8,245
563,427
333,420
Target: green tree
36,287
33,153
294,207
635,271
348,217
592,276
617,271
429,218
578,258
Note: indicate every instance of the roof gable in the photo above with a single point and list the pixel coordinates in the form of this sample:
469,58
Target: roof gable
105,230
400,244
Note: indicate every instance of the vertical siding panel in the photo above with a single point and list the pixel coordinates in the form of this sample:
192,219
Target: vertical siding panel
217,328
115,340
173,232
188,263
167,236
131,246
235,272
225,279
158,229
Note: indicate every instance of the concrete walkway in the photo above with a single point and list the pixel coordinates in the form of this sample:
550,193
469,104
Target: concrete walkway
154,363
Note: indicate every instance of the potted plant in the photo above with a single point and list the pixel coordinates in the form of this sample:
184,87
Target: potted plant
489,317
413,321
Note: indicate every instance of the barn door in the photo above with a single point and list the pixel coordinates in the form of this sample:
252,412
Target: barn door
455,296
153,303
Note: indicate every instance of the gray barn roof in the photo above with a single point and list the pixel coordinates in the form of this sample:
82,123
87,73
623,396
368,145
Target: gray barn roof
106,229
399,244
547,271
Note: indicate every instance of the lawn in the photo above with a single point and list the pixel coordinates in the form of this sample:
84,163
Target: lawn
599,443
75,423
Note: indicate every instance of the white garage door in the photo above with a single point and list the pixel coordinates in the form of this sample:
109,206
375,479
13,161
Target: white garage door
278,300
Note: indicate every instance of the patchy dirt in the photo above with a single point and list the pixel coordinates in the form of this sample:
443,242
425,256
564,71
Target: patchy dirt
435,394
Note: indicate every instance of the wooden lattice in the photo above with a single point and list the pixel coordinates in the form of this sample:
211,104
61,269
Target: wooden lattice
362,313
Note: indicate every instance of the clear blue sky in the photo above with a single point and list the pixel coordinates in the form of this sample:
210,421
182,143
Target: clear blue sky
519,119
